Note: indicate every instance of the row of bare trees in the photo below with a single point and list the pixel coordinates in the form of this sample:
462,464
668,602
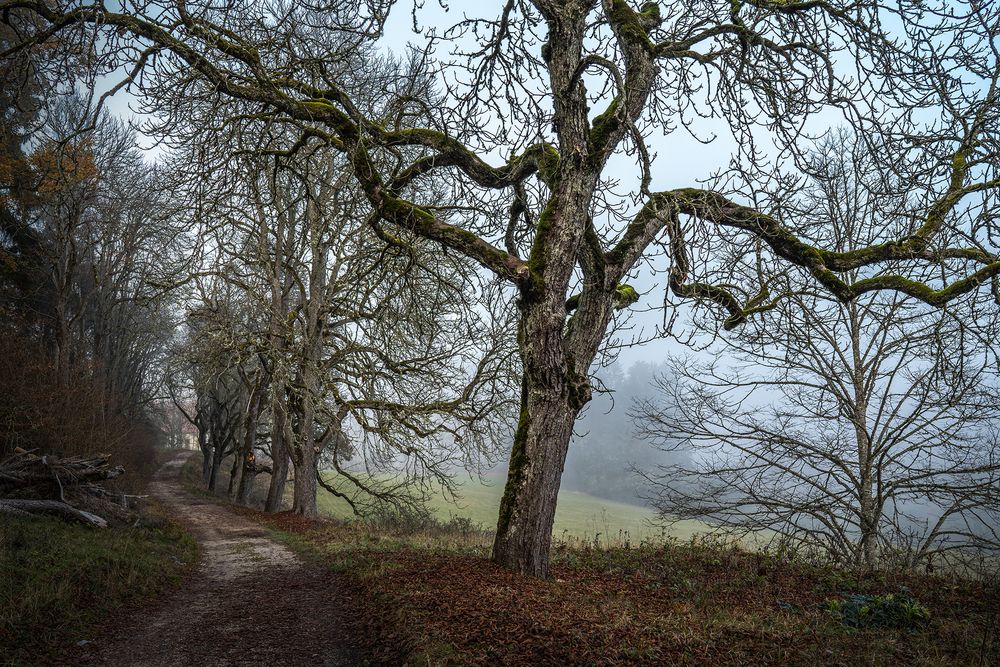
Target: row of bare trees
84,229
316,342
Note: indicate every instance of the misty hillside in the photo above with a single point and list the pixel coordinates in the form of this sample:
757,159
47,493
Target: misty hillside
605,451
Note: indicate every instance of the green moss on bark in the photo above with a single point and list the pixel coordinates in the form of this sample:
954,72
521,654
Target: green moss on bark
548,166
629,24
518,462
625,296
603,126
537,257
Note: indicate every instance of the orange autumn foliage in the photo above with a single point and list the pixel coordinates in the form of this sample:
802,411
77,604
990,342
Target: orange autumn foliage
62,166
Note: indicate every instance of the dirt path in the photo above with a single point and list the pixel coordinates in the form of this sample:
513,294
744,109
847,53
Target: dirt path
251,601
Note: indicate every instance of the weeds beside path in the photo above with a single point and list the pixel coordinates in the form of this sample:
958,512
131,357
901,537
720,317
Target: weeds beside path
59,581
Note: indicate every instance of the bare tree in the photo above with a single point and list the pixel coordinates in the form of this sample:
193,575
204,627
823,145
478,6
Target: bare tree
863,429
549,220
366,346
221,395
84,229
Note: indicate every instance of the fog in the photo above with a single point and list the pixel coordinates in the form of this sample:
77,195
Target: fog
605,453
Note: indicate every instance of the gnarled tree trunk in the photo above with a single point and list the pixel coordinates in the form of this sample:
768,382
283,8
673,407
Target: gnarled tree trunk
304,495
279,454
218,453
246,454
528,507
304,445
559,334
206,454
554,390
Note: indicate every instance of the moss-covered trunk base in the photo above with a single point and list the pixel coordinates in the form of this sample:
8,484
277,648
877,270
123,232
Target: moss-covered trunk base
528,507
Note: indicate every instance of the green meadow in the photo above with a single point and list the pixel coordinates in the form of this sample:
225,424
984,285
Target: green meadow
578,515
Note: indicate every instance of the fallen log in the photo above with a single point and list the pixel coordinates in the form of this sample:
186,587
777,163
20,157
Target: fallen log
68,487
34,508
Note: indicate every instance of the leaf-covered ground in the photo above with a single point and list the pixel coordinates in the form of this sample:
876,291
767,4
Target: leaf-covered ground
439,600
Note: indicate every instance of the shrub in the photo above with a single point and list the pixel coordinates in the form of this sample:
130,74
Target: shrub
410,520
879,611
400,520
78,418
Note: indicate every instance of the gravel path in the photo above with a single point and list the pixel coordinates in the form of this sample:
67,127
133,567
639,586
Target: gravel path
251,601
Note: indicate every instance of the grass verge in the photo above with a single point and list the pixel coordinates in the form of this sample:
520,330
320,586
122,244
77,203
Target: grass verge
60,580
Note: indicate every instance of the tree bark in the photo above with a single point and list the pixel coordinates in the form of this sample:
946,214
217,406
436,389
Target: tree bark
246,481
206,455
281,283
234,475
246,455
868,519
218,452
304,442
528,507
554,389
305,454
304,495
279,454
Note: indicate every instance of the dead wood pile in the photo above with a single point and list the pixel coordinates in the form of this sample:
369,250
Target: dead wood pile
68,488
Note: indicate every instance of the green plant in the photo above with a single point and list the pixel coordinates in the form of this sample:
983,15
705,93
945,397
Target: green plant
879,611
59,580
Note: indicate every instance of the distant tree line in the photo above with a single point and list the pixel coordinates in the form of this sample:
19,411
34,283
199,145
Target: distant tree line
84,229
607,454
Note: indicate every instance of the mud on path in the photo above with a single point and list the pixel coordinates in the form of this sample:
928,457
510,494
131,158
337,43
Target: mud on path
251,600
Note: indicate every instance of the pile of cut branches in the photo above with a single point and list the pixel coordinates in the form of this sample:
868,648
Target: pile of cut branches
68,488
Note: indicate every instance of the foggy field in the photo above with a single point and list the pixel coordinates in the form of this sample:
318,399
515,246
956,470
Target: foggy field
578,515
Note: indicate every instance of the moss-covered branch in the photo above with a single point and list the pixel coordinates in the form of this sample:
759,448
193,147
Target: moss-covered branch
539,158
631,30
662,212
